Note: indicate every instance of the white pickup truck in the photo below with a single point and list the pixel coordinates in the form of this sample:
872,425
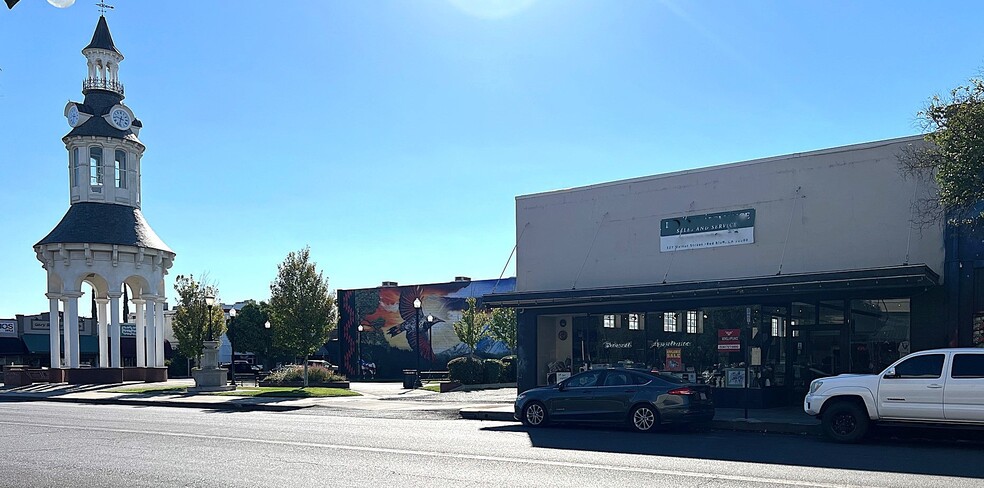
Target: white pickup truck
939,386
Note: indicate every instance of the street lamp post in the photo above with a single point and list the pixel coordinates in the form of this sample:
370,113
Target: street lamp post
209,301
232,347
266,325
358,352
416,315
430,338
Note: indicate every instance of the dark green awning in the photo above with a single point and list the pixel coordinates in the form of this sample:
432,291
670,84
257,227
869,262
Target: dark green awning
37,343
40,344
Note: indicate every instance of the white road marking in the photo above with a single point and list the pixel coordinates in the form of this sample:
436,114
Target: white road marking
472,457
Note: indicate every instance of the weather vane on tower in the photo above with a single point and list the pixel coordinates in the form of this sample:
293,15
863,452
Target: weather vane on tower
103,6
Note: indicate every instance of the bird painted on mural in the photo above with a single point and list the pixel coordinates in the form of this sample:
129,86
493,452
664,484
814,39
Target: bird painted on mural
409,325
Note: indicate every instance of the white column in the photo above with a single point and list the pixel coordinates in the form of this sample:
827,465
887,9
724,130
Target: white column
101,334
114,329
72,329
159,319
138,304
151,334
53,331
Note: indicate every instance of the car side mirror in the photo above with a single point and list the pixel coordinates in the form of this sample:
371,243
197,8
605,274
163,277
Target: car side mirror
890,374
561,387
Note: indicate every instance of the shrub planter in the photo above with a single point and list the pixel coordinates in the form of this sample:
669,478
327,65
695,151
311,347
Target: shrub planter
447,386
300,384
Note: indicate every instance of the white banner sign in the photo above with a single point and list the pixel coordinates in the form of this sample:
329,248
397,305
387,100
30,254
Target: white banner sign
704,231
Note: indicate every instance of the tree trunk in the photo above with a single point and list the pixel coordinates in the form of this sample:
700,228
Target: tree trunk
305,371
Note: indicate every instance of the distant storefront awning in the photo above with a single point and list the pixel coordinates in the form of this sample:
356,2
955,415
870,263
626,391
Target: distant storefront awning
12,346
88,345
37,343
897,278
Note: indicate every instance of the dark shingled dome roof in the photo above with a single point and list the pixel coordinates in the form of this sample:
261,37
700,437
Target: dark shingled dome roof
104,223
101,38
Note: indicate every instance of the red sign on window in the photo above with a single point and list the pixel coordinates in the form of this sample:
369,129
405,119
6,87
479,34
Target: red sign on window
729,339
674,359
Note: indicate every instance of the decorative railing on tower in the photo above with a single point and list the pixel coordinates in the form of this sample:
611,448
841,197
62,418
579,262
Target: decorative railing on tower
97,84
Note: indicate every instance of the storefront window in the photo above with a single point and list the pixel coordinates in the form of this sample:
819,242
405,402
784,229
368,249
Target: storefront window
693,325
803,314
634,321
609,321
831,313
670,322
880,333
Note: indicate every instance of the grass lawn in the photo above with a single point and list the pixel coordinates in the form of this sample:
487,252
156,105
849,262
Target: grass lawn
435,387
158,389
288,391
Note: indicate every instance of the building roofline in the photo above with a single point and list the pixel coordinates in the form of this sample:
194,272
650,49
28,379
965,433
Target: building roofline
796,155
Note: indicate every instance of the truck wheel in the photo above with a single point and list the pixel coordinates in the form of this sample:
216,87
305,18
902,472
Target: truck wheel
845,422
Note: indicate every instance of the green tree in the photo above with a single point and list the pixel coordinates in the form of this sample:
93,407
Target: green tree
248,332
502,326
192,320
954,157
301,309
472,326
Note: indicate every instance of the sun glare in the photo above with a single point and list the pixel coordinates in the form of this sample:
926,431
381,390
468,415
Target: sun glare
492,9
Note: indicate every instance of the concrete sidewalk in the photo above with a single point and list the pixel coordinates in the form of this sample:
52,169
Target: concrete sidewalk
372,397
788,420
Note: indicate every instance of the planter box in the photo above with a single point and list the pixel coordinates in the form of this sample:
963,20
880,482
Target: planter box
298,384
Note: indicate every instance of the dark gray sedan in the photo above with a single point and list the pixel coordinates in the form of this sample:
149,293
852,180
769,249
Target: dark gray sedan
639,399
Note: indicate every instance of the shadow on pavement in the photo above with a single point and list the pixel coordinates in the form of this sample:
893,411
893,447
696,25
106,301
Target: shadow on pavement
922,452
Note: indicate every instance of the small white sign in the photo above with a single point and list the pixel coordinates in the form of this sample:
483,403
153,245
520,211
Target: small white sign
8,328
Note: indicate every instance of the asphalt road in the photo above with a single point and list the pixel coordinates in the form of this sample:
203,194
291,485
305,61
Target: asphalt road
49,444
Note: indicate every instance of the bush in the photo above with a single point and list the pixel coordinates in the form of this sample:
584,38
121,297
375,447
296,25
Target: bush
295,372
493,371
466,370
509,371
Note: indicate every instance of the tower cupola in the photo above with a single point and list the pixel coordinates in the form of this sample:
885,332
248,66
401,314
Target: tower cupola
103,60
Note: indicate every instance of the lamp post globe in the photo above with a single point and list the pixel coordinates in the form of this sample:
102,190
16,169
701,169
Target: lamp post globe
416,316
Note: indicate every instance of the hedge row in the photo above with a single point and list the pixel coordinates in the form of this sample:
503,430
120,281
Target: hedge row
473,371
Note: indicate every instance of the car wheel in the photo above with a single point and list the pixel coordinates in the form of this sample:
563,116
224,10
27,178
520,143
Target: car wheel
534,415
644,418
845,422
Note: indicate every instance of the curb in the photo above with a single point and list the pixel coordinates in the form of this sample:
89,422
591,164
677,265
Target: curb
240,407
740,425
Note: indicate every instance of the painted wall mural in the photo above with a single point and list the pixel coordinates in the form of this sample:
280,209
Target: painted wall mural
389,337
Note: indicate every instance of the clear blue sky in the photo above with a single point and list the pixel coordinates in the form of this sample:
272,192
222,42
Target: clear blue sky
392,136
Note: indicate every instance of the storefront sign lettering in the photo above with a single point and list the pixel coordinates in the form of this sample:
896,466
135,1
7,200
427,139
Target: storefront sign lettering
709,230
128,330
40,325
8,328
617,345
673,344
729,339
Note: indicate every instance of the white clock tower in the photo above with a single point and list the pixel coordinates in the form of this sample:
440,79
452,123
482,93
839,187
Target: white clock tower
103,239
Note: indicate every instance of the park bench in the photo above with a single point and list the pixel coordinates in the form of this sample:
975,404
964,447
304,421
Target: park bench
435,376
243,378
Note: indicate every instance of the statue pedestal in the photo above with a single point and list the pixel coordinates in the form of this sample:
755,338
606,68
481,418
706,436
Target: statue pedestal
210,377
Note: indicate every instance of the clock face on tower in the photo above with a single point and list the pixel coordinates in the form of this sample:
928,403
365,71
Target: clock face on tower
120,118
73,116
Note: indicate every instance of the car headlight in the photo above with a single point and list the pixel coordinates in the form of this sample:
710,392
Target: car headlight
815,386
